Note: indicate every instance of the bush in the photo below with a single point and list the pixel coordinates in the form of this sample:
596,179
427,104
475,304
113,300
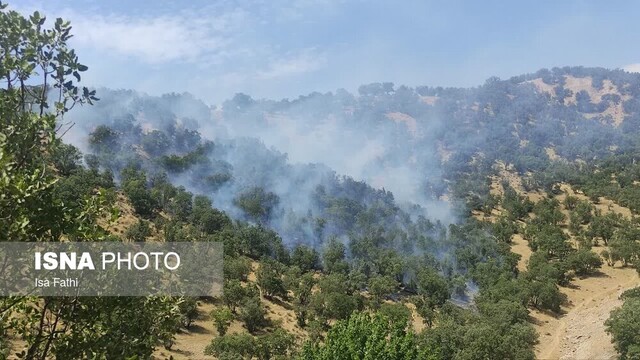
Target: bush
584,262
222,318
232,347
545,295
269,278
624,327
236,268
188,311
365,336
139,231
253,314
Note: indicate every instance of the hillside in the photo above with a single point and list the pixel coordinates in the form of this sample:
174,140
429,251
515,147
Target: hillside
546,135
494,222
578,331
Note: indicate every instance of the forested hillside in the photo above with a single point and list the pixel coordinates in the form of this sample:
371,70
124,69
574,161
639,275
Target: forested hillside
395,223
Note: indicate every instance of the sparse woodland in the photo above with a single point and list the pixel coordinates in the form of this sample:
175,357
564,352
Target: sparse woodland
365,274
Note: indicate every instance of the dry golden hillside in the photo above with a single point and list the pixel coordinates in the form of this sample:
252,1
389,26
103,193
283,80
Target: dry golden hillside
579,331
576,84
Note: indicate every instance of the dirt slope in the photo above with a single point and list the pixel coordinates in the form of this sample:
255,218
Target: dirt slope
579,332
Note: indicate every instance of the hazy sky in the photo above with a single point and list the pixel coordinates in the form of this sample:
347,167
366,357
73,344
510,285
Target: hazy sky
277,49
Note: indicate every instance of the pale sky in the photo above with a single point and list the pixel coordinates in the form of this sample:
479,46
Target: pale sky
285,48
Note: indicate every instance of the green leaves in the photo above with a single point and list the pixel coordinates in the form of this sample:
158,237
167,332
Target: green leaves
274,345
31,48
365,337
624,327
222,318
37,19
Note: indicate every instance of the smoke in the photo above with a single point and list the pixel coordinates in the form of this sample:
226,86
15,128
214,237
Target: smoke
387,149
324,155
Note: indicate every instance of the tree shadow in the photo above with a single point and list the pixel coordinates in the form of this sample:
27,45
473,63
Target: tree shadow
197,329
553,314
596,274
280,302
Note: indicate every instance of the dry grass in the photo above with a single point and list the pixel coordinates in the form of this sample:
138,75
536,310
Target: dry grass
579,332
190,344
407,120
577,84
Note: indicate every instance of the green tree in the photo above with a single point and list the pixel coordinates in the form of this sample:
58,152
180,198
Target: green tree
275,345
70,327
544,294
139,231
134,185
504,312
235,346
301,286
155,143
582,213
104,139
234,294
432,292
584,262
548,212
334,258
181,204
603,226
504,229
541,267
624,326
364,336
257,203
269,278
222,318
517,206
570,202
397,313
336,298
380,287
66,159
206,218
305,258
188,308
236,268
253,314
625,245
483,340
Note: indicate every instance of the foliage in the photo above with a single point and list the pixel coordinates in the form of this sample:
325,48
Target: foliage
188,308
584,262
365,336
305,258
139,231
222,318
336,299
257,203
380,287
236,268
234,294
334,258
31,208
275,345
270,279
624,326
253,314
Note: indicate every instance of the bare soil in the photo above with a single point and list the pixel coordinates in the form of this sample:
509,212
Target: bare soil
579,331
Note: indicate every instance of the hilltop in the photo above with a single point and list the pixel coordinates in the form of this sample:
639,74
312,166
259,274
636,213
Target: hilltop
494,222
416,160
445,216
